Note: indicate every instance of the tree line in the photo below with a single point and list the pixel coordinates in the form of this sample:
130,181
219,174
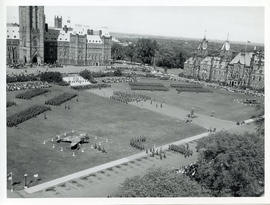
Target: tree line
148,51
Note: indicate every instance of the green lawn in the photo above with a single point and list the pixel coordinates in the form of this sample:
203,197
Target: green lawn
220,101
95,115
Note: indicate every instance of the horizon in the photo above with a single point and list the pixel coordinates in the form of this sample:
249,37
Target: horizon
242,23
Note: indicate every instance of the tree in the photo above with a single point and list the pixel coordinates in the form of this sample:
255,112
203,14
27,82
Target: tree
260,122
118,51
146,49
86,74
160,183
130,51
231,165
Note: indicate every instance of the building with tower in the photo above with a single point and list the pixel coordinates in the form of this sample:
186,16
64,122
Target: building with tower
246,69
33,41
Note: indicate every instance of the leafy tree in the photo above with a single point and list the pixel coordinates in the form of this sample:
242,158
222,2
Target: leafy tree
146,49
118,51
130,51
86,74
260,123
231,164
160,183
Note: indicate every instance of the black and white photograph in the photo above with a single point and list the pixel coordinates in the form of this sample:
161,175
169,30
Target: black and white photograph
134,101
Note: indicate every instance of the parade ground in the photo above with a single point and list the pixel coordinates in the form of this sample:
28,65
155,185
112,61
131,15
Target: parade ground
112,124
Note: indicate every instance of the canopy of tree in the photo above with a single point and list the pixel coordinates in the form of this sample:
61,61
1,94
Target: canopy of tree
161,183
231,165
145,50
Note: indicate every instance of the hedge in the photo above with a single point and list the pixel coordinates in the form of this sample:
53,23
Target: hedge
31,93
10,103
26,114
58,100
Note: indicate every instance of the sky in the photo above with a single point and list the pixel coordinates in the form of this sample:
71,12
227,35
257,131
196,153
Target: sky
242,23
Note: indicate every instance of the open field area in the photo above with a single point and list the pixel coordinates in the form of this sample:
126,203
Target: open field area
113,124
220,101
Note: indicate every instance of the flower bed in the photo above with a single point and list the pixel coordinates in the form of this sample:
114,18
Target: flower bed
31,93
10,103
26,114
58,100
91,86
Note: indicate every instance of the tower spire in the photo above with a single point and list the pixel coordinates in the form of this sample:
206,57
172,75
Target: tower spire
228,36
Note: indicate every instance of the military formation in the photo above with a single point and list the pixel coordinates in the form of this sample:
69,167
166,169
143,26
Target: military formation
138,142
182,149
126,97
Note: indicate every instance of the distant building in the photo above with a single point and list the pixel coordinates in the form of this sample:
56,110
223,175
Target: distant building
245,69
32,41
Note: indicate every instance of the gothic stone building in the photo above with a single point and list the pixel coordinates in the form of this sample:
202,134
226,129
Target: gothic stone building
32,41
245,69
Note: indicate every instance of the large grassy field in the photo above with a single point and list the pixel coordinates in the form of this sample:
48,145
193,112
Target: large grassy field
95,115
220,101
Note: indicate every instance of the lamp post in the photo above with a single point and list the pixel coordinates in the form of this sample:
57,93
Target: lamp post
11,181
25,181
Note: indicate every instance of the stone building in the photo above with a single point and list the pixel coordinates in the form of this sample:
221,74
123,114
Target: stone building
192,65
32,41
245,69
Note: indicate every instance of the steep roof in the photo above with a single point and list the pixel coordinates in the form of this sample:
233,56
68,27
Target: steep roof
243,58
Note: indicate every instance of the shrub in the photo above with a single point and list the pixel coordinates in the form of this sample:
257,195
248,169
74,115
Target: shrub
31,93
86,74
10,103
26,114
51,77
58,100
